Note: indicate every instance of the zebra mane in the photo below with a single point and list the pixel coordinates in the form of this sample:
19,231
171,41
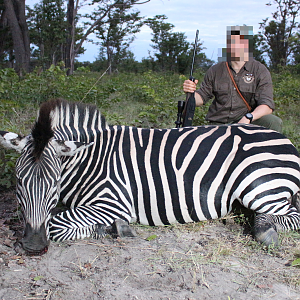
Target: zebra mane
52,117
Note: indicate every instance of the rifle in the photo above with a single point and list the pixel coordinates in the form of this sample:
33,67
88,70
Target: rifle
186,109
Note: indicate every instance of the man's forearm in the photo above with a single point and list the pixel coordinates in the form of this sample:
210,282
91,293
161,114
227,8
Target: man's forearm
260,111
198,99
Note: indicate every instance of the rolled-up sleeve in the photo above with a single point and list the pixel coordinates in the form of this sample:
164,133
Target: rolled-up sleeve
206,87
264,89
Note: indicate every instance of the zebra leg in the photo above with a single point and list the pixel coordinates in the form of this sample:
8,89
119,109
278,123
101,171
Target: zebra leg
266,227
264,230
86,221
120,228
295,201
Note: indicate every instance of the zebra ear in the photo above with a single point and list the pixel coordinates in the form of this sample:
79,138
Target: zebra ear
10,140
69,148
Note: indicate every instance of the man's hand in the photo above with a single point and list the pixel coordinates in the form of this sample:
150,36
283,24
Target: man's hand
190,86
244,120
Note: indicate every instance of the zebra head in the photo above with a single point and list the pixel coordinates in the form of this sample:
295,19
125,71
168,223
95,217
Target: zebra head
38,172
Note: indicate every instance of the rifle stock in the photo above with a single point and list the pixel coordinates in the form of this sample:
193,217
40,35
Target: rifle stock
189,111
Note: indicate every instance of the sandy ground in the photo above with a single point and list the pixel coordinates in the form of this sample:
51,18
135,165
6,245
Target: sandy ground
208,260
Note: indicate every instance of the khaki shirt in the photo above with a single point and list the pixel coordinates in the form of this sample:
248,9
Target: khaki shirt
254,82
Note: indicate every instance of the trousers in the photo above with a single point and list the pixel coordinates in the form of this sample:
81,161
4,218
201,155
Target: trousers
269,121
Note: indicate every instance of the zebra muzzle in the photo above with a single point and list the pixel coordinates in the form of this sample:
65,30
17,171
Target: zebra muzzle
35,241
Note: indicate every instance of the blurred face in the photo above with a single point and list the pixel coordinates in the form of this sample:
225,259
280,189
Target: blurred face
238,48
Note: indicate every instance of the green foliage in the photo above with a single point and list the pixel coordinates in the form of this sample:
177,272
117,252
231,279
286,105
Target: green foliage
287,101
84,69
296,263
118,33
47,30
7,168
151,237
171,47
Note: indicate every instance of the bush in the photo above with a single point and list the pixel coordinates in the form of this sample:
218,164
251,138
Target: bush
7,168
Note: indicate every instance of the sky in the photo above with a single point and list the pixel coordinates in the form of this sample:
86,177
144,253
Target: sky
211,17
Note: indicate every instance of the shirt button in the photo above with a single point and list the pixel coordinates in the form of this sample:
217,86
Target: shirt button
234,88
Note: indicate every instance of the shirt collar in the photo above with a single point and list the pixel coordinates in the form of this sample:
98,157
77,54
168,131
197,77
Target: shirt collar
246,66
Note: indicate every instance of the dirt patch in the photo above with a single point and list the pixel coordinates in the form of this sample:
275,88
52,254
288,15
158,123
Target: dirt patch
207,260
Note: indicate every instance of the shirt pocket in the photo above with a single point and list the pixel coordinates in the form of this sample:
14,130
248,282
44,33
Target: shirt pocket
222,92
248,91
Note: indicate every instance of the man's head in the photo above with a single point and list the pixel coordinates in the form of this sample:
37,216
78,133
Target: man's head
239,43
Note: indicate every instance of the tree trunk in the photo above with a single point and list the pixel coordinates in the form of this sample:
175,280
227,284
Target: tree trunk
15,13
4,32
69,40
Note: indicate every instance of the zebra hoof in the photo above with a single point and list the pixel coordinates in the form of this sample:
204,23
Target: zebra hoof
268,237
120,228
265,230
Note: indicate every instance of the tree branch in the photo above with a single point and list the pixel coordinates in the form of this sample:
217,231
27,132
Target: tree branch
98,21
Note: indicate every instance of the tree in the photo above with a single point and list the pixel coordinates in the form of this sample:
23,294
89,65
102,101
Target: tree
117,33
54,31
277,36
6,46
98,17
72,12
171,47
47,27
296,50
173,52
258,52
15,17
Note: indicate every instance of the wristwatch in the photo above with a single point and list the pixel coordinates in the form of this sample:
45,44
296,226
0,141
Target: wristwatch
249,116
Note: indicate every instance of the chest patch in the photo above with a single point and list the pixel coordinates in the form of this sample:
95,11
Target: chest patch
248,78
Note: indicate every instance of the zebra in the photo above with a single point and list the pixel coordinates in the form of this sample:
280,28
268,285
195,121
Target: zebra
108,176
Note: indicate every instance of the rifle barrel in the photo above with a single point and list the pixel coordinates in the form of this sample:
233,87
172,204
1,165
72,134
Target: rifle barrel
194,54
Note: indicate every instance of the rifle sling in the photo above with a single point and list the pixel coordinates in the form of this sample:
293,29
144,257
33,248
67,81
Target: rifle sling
234,83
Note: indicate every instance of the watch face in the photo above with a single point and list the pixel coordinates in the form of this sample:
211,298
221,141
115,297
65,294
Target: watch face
249,116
